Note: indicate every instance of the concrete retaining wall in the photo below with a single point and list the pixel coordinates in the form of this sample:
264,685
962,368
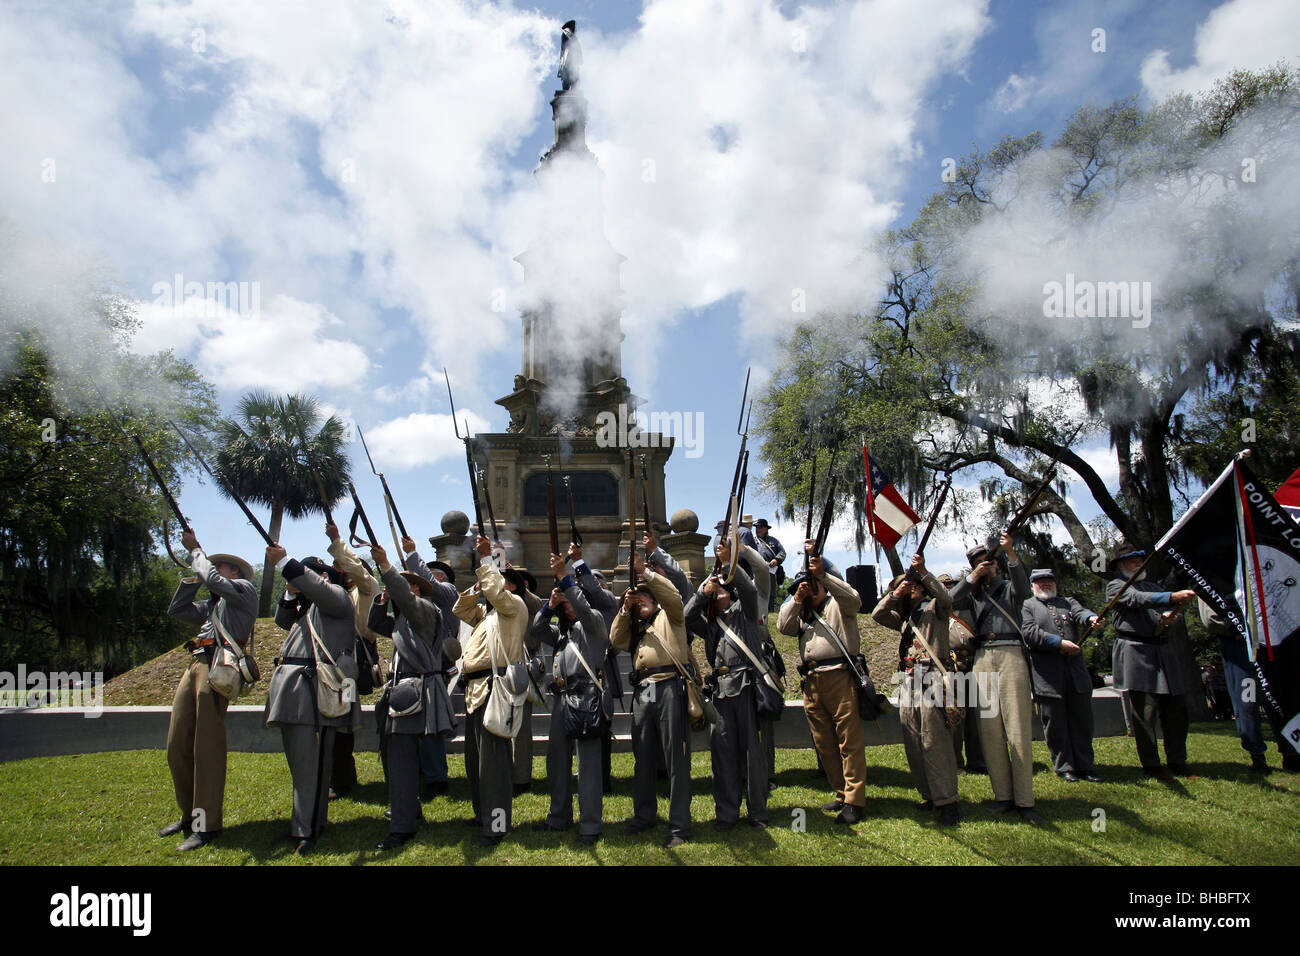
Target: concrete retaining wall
56,731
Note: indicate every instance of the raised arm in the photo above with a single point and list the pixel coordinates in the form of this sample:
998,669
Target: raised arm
332,600
762,574
184,607
886,613
421,612
787,619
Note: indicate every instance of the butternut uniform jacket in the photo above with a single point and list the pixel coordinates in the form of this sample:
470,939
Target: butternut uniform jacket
417,639
1045,624
507,623
839,609
668,627
233,602
291,697
930,619
741,617
365,588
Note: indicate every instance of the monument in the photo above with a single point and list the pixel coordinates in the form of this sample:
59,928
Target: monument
570,402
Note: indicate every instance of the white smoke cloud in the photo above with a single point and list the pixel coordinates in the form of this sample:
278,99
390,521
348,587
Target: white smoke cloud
364,161
420,439
1239,35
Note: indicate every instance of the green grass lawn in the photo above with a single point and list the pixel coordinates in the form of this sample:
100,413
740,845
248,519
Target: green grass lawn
105,809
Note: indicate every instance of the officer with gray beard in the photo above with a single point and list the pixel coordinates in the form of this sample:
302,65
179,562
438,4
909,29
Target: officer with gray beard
1051,625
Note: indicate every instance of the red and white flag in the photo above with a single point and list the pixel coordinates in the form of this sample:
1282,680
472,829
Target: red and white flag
889,516
1288,496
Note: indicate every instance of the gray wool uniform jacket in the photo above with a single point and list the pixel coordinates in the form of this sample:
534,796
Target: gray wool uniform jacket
602,601
587,638
291,697
444,597
1046,622
721,651
1139,661
994,606
665,562
233,602
418,639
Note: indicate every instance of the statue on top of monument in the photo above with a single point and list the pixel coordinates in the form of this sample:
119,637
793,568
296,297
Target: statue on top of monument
570,56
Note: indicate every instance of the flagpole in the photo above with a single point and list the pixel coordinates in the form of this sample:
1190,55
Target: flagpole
871,506
1249,523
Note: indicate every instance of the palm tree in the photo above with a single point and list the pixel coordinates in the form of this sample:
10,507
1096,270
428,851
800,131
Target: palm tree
279,453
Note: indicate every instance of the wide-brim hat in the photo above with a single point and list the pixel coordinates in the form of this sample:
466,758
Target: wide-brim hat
418,583
444,567
1125,550
314,563
761,523
1039,574
529,580
946,579
516,577
245,569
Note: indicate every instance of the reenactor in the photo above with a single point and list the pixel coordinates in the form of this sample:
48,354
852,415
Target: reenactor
418,705
1052,626
924,701
488,767
1006,731
569,625
196,734
320,618
726,615
1150,667
651,627
821,604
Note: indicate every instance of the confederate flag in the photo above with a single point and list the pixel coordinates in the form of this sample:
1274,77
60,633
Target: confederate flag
1288,496
888,516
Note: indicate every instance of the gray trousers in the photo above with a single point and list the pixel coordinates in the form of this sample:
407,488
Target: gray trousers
311,760
660,732
559,775
488,771
767,730
1171,709
404,781
1067,725
521,756
739,760
927,742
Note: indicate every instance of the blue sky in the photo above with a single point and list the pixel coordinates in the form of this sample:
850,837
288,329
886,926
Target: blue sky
369,168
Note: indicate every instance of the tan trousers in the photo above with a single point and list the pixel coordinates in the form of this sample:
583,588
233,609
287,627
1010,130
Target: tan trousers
1008,737
927,741
196,748
831,704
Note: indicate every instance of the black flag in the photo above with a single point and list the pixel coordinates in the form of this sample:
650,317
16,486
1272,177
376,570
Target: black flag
1241,551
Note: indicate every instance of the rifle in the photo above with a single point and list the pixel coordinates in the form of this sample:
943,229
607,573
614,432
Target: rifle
1175,614
807,524
645,499
469,459
934,516
732,510
1097,623
359,512
824,526
149,463
550,508
388,494
487,500
574,535
320,485
631,522
1023,514
221,484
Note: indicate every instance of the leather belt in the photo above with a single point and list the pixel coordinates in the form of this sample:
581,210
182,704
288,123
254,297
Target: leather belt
484,672
725,669
641,675
296,661
200,645
809,666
